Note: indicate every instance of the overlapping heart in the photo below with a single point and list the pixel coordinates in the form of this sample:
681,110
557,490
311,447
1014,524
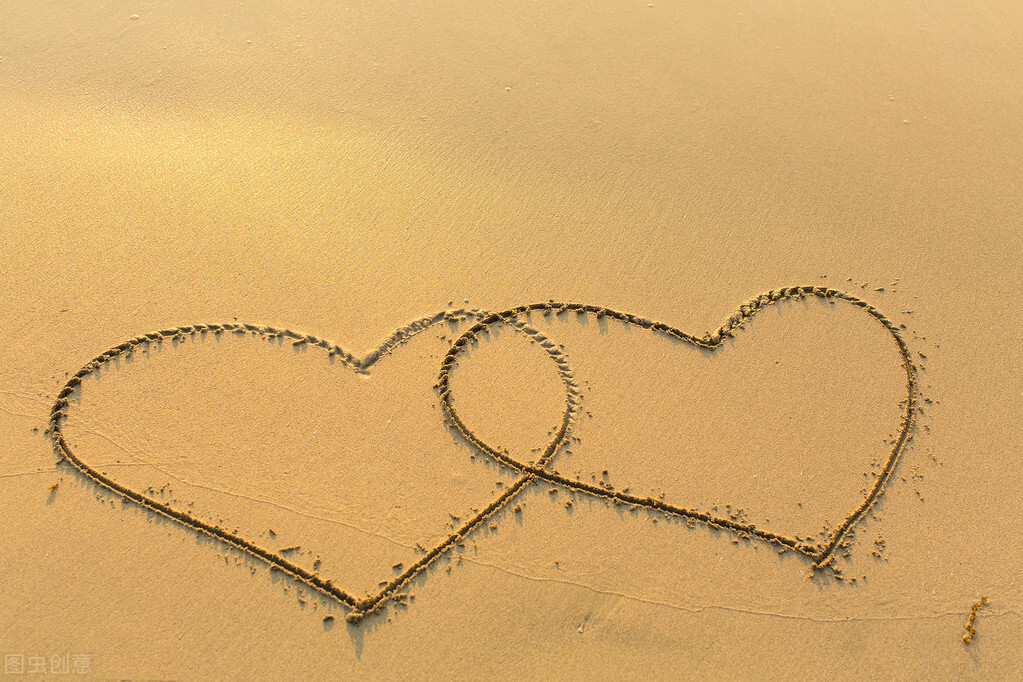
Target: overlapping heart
820,555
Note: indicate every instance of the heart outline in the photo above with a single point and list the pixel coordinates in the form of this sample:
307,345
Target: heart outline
360,607
821,556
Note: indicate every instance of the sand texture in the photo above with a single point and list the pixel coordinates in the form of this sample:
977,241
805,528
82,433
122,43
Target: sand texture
511,341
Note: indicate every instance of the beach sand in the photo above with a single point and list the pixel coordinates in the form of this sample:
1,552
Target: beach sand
345,172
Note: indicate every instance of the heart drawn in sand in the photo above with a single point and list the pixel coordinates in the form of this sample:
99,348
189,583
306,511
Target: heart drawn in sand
529,472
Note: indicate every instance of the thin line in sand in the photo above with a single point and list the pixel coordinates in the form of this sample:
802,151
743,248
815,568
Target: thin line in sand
820,556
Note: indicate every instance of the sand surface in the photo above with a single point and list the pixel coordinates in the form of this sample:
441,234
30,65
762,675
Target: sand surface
344,172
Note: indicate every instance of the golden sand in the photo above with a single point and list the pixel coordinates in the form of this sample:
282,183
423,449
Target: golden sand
648,480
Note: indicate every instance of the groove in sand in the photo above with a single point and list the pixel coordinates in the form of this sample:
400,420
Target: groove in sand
820,556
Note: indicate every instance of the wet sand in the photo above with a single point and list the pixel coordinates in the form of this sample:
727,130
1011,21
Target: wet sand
312,450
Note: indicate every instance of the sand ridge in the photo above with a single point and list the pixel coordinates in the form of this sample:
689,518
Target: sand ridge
971,631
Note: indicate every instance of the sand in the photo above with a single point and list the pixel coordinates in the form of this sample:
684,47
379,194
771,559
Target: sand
347,448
